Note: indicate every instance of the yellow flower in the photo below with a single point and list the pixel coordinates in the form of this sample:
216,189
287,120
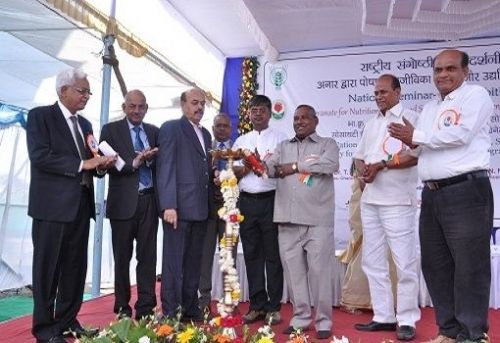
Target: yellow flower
233,182
265,340
185,336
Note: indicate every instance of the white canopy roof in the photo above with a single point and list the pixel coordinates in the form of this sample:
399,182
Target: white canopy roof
270,28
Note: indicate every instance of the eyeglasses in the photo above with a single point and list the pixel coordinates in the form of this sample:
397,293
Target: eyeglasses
82,91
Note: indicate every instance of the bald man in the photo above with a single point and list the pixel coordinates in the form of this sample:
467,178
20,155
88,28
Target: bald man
457,200
184,189
132,206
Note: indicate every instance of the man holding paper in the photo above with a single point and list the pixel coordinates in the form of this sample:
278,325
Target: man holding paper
61,203
132,206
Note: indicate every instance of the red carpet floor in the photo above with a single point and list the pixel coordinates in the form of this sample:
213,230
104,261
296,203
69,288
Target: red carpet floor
98,312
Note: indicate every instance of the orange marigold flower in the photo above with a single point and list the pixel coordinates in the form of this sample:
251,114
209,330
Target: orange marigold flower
296,339
164,330
221,339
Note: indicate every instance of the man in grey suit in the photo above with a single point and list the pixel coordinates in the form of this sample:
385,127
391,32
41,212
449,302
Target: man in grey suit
131,205
184,177
216,226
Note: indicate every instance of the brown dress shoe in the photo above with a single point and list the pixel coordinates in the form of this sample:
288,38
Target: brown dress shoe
253,316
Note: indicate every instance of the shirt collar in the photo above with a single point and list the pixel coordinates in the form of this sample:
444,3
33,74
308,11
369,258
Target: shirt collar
66,113
396,110
226,143
263,132
131,126
196,126
453,94
314,137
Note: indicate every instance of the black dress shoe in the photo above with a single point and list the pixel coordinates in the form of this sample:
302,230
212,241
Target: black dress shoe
376,326
291,329
55,339
323,334
405,333
79,331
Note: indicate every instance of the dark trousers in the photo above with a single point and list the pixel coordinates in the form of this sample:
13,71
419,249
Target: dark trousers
180,276
59,270
142,228
259,237
455,226
215,231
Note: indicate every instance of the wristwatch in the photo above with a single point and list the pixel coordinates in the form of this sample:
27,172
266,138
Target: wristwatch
385,164
294,167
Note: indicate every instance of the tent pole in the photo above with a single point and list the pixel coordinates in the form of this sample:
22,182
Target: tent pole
100,210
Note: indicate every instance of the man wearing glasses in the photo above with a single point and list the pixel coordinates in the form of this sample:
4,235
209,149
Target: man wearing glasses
61,203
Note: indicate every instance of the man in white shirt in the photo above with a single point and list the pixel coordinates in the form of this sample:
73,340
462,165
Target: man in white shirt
457,200
388,210
259,235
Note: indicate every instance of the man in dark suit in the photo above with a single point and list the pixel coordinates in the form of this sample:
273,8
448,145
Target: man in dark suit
61,203
131,205
216,226
184,184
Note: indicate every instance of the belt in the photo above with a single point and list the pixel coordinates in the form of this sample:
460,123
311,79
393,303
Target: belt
437,184
145,191
258,195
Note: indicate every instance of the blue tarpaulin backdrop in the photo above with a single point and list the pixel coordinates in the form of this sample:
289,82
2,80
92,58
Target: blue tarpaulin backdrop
231,92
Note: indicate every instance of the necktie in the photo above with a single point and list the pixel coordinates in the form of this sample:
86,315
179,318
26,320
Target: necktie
144,172
79,141
86,178
221,164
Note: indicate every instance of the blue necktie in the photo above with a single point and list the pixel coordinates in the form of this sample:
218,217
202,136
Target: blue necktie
144,172
221,164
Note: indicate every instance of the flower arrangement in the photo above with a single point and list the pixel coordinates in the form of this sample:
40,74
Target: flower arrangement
230,213
154,330
151,330
248,90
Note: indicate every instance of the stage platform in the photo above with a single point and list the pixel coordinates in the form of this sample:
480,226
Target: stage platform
99,312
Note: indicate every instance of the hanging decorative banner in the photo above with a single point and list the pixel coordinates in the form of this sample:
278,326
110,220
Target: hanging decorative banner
248,90
340,84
